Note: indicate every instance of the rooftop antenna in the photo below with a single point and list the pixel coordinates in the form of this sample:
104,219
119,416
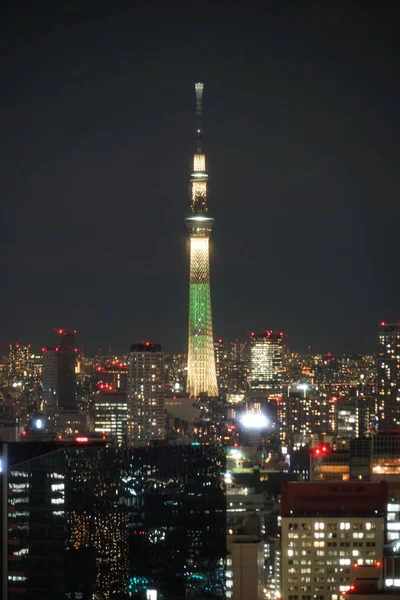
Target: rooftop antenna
199,113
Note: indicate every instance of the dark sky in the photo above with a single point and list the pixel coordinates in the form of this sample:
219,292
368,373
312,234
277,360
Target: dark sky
302,137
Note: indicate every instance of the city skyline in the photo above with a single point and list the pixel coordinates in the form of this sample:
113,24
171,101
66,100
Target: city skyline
301,123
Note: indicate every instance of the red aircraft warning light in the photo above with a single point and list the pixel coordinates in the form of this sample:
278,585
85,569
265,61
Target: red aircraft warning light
320,450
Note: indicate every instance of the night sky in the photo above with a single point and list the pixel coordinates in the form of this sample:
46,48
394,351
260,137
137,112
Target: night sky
301,121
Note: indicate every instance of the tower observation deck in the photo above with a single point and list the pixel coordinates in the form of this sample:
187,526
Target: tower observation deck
201,374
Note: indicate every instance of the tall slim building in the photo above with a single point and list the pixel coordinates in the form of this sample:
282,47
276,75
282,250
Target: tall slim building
201,375
146,415
66,371
110,414
19,360
59,381
266,360
388,376
50,377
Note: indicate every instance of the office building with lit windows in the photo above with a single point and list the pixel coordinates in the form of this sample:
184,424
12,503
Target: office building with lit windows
85,520
388,376
19,360
266,354
110,409
326,528
146,414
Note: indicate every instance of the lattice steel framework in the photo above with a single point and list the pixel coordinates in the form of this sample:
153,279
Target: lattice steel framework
201,377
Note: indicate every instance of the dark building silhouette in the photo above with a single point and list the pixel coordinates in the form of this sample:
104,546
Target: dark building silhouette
59,381
66,372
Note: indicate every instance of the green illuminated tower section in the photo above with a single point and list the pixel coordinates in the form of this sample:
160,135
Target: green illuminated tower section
201,375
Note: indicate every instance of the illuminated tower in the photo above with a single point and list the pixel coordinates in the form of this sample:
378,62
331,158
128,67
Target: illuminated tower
201,376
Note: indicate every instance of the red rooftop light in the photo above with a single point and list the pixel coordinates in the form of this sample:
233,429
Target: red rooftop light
322,450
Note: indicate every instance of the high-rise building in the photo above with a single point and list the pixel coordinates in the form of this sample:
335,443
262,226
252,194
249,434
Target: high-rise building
59,380
50,377
266,356
83,520
111,414
19,360
201,375
245,572
113,373
388,376
146,415
326,528
66,371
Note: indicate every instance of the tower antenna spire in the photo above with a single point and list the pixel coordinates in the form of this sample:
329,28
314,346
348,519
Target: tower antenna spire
199,114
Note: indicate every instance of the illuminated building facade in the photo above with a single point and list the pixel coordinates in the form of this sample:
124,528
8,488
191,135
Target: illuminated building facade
113,373
388,376
201,374
305,414
111,415
266,356
19,359
146,414
232,363
89,521
326,528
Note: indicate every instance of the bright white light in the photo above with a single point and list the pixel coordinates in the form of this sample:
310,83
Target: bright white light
254,421
228,478
303,386
199,218
39,423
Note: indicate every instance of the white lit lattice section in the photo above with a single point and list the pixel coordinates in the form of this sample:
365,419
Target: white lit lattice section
199,163
201,360
199,196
